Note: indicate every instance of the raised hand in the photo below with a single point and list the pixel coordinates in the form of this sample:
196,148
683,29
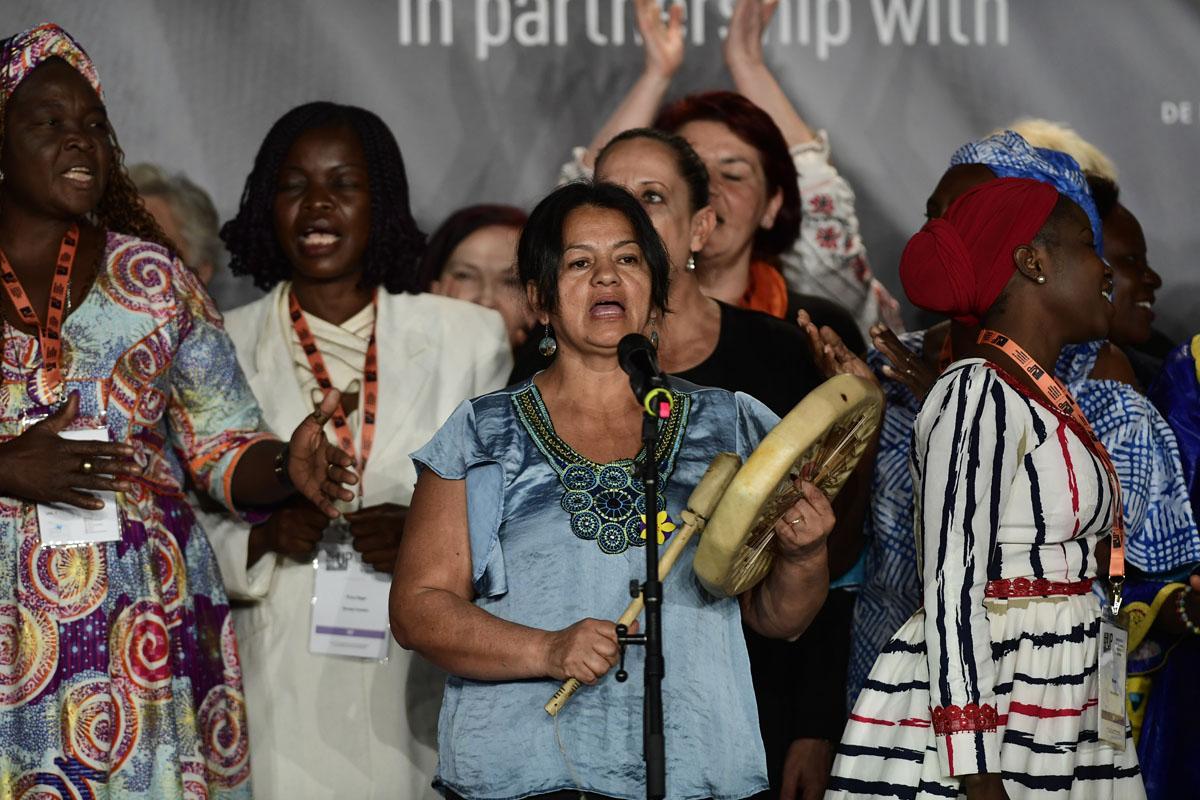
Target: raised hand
830,353
743,44
39,466
318,469
664,43
907,367
376,533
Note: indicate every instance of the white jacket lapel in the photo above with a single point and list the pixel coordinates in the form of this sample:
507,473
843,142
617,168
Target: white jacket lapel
405,369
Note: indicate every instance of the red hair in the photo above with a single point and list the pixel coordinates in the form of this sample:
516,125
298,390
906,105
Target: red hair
756,128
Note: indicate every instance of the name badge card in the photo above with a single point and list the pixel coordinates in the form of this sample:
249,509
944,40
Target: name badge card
1114,642
66,526
350,604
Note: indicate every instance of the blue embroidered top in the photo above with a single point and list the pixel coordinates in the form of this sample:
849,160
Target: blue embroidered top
1162,535
556,538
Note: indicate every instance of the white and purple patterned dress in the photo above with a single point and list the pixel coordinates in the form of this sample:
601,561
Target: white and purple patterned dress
119,673
997,672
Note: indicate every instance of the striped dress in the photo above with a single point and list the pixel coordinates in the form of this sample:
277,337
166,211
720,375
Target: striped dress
997,672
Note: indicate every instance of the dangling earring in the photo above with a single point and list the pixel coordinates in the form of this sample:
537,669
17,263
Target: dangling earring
691,263
1041,278
654,338
548,346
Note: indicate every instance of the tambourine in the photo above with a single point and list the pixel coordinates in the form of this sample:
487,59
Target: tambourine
736,505
828,431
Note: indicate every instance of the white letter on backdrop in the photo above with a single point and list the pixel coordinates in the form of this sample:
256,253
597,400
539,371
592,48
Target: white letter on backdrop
532,28
1001,21
485,38
826,37
956,32
593,24
900,12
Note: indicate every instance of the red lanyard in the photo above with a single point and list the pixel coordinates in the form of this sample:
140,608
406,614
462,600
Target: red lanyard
1060,397
49,335
368,398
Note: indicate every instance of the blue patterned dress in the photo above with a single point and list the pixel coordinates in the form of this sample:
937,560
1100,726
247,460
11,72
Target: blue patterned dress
1164,695
556,538
119,673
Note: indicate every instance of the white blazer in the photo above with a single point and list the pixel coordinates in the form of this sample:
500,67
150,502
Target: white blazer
325,726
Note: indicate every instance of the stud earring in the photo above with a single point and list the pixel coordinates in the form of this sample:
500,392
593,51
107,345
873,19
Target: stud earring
1041,278
548,346
691,263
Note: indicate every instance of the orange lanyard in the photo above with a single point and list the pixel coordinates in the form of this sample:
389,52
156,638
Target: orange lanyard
368,398
1060,397
49,335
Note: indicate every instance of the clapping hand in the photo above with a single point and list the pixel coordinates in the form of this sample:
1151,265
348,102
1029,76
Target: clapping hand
743,44
318,469
830,353
907,367
664,41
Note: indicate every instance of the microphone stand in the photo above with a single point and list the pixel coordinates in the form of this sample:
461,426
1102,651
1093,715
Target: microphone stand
653,741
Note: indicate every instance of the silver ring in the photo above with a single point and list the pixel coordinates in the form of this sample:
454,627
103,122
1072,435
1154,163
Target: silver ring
87,467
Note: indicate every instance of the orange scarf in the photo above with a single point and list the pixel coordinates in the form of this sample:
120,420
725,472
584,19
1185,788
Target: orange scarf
767,291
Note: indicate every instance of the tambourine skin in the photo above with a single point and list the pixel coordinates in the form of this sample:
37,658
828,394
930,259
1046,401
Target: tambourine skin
830,429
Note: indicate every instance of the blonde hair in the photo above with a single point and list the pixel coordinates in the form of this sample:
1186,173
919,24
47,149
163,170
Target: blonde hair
1059,136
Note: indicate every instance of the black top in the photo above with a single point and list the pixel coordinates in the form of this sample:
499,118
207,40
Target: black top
767,358
800,686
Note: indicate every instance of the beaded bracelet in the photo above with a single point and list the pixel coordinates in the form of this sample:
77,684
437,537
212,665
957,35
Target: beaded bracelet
1184,616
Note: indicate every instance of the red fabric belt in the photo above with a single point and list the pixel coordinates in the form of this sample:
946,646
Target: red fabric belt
1035,587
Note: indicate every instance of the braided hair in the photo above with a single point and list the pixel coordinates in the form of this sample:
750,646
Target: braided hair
120,208
395,244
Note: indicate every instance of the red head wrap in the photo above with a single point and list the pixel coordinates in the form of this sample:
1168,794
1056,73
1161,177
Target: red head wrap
959,264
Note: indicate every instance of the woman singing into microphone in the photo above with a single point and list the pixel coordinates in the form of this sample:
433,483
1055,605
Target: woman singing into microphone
526,528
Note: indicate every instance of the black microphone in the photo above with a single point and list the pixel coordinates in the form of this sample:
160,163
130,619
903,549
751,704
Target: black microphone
639,360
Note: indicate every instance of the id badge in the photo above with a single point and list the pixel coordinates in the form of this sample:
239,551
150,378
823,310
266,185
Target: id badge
61,525
350,601
1114,644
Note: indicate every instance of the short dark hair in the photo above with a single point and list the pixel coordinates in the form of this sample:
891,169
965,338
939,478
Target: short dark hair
1105,194
755,127
395,244
540,251
687,161
457,227
1049,236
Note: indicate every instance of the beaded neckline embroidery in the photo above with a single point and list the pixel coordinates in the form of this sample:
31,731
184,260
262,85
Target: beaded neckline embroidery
606,502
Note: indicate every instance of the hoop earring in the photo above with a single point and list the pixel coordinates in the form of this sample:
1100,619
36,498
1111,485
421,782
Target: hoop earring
548,346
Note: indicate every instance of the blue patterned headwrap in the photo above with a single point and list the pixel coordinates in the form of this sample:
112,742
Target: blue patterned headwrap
1009,156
